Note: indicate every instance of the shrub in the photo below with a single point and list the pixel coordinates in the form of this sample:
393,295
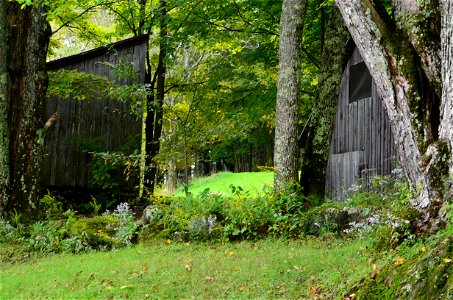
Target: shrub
96,232
111,230
50,207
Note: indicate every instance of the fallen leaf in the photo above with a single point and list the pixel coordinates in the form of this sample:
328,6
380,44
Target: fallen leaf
313,289
424,248
399,261
447,260
144,267
231,253
371,259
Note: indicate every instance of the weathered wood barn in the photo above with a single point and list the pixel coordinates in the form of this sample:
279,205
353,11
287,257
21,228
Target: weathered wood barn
362,142
104,122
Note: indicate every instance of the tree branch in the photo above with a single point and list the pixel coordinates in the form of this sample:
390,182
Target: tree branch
183,85
66,23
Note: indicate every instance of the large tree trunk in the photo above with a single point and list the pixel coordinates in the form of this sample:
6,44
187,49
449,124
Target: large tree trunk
317,145
4,112
288,93
402,54
29,37
446,103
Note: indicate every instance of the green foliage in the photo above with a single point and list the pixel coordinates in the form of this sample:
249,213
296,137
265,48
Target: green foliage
232,216
97,232
115,171
111,230
50,207
95,206
66,84
392,190
70,234
381,210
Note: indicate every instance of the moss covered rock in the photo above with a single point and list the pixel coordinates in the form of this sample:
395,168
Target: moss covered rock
426,275
98,232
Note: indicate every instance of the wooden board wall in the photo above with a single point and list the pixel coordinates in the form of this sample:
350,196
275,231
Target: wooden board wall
362,141
106,121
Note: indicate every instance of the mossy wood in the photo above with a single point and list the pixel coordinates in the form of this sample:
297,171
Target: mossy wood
28,38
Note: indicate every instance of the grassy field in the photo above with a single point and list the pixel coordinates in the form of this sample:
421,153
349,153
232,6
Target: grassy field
263,269
253,183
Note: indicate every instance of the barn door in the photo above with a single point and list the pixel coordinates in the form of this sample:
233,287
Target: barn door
343,171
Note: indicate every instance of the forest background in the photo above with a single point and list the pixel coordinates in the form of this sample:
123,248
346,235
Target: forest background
211,79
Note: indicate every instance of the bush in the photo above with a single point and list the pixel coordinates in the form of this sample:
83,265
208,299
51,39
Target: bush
213,216
71,234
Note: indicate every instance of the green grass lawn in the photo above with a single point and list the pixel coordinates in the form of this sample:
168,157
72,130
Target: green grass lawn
262,269
252,182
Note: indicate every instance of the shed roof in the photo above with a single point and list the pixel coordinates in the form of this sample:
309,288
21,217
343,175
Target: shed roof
73,59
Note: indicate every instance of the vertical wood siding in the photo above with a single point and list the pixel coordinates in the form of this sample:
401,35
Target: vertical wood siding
107,121
362,141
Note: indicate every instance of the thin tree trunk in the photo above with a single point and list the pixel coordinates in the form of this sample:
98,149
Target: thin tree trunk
4,112
172,177
29,37
407,81
288,93
155,110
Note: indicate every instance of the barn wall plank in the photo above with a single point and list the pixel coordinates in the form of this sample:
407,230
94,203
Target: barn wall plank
362,139
65,164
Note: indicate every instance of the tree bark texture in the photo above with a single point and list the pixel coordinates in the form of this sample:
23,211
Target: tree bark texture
446,109
402,54
155,109
4,112
317,146
29,34
288,93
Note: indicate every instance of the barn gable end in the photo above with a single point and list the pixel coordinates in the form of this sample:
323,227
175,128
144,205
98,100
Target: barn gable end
362,141
104,121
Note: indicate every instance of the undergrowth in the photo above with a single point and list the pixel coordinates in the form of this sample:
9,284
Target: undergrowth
378,218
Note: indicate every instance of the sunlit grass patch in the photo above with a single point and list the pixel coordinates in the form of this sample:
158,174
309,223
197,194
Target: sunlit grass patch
251,182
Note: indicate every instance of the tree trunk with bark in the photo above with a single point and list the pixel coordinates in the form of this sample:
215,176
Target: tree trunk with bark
317,144
409,55
4,112
29,34
155,108
288,93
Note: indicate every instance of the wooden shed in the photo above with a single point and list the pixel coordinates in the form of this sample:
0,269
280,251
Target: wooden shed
362,141
106,122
